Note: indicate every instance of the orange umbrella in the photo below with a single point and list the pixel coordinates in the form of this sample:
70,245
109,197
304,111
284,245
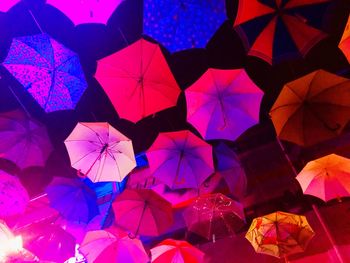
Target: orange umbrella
280,234
344,44
312,108
326,178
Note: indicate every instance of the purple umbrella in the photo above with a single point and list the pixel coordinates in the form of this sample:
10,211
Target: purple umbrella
73,199
229,167
13,196
49,71
24,140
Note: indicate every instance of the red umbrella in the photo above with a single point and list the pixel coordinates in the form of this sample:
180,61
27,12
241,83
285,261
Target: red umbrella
143,212
180,159
344,43
102,246
214,215
176,251
222,104
276,30
138,80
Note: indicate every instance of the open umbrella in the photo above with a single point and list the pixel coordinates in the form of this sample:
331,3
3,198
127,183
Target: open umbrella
143,212
180,159
100,152
274,30
176,251
138,80
87,11
183,24
326,178
222,104
108,245
49,242
229,167
6,5
73,199
49,71
344,44
280,234
214,216
13,196
24,140
313,108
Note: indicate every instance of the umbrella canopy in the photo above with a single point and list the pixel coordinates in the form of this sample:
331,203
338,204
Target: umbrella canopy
6,5
274,30
176,251
73,199
222,104
24,140
180,159
344,44
49,242
280,234
313,108
229,167
48,70
103,246
214,216
138,80
100,152
142,211
326,178
13,196
183,24
90,11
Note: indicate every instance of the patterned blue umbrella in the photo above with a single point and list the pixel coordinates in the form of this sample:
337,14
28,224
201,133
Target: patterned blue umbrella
49,71
183,24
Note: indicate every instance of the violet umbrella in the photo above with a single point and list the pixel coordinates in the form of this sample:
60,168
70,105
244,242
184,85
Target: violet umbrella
111,245
48,70
180,159
73,199
100,152
88,11
138,80
214,216
7,5
229,167
13,196
24,140
222,104
142,212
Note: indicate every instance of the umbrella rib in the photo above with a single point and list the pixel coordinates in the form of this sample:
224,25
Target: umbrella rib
96,133
83,157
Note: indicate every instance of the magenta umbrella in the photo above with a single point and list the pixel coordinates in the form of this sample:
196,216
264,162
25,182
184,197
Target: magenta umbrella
24,140
7,4
88,11
13,196
180,159
222,104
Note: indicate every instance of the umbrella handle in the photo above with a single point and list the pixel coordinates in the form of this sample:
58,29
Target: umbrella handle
80,174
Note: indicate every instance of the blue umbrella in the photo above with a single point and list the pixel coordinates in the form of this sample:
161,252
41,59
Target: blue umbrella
49,71
183,24
73,199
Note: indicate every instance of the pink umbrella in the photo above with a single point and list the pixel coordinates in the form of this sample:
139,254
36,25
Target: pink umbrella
13,196
87,11
100,152
7,4
143,212
213,216
222,104
138,80
24,140
176,251
109,245
180,159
